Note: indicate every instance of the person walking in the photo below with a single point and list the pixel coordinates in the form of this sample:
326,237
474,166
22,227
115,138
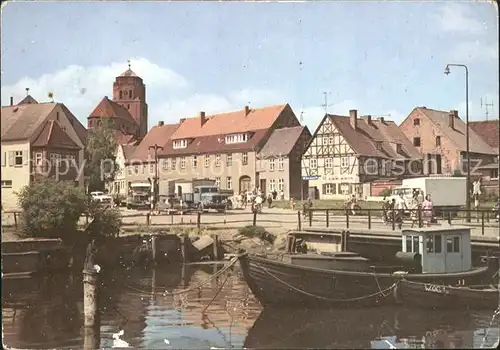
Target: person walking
427,210
401,206
269,200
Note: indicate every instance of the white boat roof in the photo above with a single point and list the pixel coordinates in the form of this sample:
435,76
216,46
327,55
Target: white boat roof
435,229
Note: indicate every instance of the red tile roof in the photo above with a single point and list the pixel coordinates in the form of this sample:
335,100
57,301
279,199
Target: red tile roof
20,122
123,138
364,139
110,109
80,130
457,134
52,135
282,141
27,100
128,73
159,135
488,131
229,123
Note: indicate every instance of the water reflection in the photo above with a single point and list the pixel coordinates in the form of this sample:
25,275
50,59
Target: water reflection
369,328
48,313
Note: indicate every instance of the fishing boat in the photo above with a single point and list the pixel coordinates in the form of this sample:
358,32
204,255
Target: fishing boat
317,271
433,296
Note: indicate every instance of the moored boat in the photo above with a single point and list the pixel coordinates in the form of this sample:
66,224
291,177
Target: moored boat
308,275
434,296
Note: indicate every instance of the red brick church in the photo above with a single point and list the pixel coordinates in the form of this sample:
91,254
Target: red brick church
127,111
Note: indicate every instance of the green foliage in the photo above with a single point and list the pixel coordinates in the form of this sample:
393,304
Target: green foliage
51,208
386,192
106,222
457,173
100,156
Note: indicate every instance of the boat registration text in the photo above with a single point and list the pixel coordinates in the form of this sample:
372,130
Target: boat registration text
435,288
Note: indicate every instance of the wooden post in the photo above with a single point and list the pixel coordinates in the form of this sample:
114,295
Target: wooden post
216,247
184,244
148,219
198,220
449,217
420,223
171,218
255,218
310,217
15,220
327,218
299,222
87,218
482,223
394,220
347,219
369,219
342,240
90,295
153,248
91,338
346,241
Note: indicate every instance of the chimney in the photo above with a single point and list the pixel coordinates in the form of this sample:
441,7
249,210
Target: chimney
181,120
161,123
246,110
369,119
382,120
202,118
353,118
11,101
451,118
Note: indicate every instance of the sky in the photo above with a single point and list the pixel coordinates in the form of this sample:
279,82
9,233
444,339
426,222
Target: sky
381,58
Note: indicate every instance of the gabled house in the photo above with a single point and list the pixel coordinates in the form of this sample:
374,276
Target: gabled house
39,140
278,162
489,133
224,147
123,155
441,138
346,154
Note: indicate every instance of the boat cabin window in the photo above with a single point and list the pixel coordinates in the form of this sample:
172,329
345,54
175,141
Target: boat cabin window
412,244
434,243
453,244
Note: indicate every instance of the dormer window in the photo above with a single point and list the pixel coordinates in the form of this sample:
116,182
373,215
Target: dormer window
180,144
398,148
379,145
237,138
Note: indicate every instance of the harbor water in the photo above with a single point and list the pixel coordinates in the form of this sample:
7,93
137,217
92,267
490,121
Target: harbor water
48,313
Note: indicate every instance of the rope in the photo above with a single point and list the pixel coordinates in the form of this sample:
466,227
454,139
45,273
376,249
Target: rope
330,299
216,294
214,276
495,314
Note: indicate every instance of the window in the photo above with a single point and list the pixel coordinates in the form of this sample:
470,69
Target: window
329,189
344,162
378,145
398,148
236,138
6,183
165,164
136,169
245,158
183,162
38,158
416,121
217,182
329,163
412,244
180,144
438,242
174,163
313,163
195,161
272,185
55,158
4,160
430,244
438,141
121,95
207,160
151,168
130,94
18,158
217,160
325,140
280,164
330,140
57,116
416,141
129,170
453,244
229,183
281,185
271,164
229,160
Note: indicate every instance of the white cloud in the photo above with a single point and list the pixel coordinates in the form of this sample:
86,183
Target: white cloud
473,51
454,17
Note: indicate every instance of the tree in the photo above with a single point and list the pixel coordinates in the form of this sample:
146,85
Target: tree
100,156
51,208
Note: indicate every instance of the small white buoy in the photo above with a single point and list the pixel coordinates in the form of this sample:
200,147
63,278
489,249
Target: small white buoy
166,341
97,268
117,342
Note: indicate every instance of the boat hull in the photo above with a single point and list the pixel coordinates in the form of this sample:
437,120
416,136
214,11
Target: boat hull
279,284
432,296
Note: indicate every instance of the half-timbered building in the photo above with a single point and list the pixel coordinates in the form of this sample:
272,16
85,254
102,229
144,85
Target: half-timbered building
346,154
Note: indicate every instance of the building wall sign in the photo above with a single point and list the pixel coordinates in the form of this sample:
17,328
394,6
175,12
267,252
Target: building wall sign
340,178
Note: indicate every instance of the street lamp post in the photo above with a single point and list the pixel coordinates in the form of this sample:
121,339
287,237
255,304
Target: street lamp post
154,190
447,71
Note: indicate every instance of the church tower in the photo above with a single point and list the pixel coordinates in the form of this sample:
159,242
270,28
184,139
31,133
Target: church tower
130,92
